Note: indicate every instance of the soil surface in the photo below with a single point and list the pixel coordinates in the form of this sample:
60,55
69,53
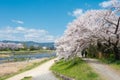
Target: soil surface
104,70
41,72
12,67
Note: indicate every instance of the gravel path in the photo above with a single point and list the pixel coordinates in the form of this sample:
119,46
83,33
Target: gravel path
104,70
41,72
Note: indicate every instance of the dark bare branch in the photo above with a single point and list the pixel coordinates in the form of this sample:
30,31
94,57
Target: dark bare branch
117,26
110,22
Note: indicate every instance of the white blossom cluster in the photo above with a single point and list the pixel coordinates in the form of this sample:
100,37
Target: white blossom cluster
11,46
89,28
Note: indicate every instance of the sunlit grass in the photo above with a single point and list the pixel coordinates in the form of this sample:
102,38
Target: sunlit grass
76,68
27,78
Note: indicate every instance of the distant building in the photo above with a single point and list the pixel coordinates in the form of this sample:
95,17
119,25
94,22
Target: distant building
20,45
44,47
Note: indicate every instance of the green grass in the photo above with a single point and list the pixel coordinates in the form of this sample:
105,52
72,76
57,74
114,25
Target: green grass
76,68
26,51
115,64
27,78
25,69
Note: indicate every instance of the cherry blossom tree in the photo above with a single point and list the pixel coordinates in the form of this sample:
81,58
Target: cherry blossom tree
12,46
113,28
92,27
78,34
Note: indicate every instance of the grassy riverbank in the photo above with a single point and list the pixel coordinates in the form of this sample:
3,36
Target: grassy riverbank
76,68
26,51
28,67
4,55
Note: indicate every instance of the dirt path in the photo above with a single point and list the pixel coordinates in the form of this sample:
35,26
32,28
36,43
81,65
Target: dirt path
42,72
104,70
13,67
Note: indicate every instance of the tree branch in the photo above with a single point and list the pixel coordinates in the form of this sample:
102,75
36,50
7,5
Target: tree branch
117,26
110,22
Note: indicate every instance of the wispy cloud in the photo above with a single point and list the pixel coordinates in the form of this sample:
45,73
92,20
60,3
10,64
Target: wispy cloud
26,34
18,21
76,12
106,3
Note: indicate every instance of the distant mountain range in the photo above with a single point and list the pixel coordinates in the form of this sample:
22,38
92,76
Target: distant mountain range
31,43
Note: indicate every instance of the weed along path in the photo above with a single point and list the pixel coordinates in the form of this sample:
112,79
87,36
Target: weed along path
41,72
104,70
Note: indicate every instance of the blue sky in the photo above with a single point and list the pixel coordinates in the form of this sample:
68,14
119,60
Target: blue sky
39,20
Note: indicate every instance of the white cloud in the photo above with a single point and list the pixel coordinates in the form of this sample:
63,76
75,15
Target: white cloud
76,12
106,3
20,28
26,34
18,21
114,4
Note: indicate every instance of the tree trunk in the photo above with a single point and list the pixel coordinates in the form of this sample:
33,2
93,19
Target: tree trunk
116,52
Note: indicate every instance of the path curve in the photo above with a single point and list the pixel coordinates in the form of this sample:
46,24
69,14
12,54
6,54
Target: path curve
104,70
41,72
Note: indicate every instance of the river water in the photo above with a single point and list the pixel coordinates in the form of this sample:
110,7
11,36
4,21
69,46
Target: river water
20,57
